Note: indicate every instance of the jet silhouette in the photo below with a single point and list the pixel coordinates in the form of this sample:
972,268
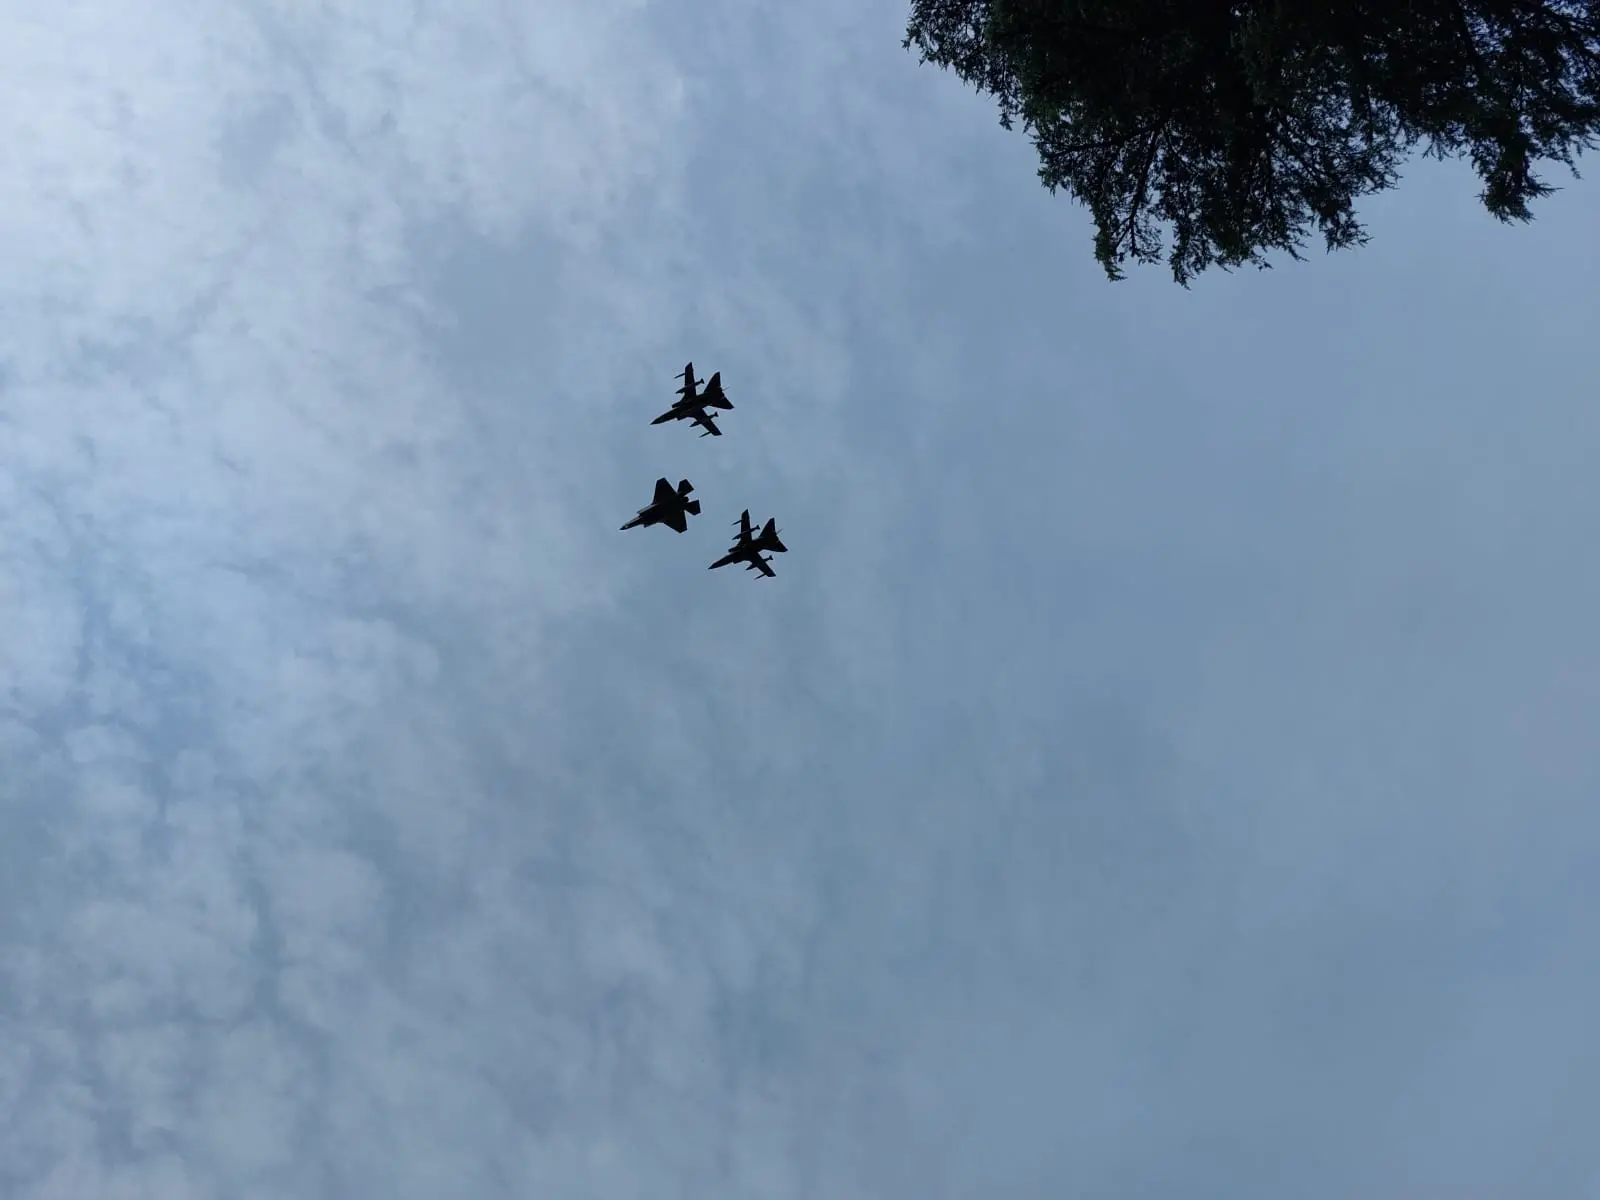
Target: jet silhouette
670,508
749,547
692,406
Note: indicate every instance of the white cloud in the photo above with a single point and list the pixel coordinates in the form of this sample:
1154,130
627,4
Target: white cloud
379,821
239,487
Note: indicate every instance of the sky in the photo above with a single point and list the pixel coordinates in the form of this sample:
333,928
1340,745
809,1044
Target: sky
1161,767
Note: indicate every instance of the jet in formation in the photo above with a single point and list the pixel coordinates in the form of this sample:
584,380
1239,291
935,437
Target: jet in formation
670,508
748,549
692,405
673,508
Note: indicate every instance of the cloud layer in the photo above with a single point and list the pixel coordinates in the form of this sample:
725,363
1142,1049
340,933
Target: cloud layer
1160,768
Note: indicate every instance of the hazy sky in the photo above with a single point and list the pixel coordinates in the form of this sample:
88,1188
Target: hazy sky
1165,764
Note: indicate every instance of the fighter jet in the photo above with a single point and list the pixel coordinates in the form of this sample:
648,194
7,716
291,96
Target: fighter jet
669,508
748,548
692,407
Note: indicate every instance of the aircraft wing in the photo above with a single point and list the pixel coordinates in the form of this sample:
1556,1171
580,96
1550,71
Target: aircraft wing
703,419
761,565
744,526
665,494
714,395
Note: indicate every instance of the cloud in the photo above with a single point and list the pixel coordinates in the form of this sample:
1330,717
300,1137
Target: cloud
246,511
1147,739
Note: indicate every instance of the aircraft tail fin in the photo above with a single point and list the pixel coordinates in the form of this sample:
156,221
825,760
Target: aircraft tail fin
684,487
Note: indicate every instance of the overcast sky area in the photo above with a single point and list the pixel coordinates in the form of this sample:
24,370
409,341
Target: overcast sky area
1163,766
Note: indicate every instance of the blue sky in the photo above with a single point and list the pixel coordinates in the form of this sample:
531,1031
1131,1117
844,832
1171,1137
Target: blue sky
1163,765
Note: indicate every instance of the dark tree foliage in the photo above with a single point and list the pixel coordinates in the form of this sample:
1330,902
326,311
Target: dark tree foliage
1237,125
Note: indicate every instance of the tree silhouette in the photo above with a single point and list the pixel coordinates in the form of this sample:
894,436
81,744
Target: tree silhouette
1237,125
